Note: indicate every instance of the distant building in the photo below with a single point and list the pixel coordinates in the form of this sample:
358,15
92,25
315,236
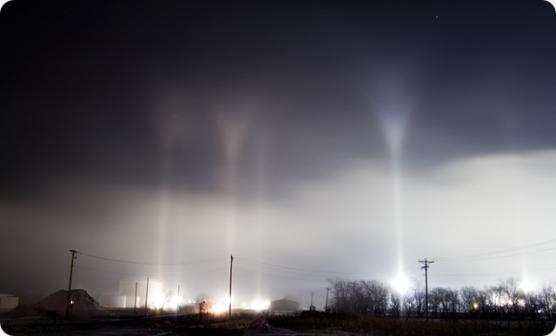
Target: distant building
190,309
284,306
82,304
126,295
125,298
113,301
8,302
120,301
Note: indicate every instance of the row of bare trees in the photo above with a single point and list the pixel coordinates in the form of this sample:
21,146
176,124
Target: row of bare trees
503,301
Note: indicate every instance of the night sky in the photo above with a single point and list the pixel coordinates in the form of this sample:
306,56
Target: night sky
294,135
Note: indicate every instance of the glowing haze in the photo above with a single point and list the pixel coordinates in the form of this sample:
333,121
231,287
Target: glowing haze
315,141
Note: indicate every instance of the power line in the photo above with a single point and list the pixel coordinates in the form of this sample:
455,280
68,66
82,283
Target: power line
297,269
507,252
102,271
284,272
314,275
105,272
493,274
285,275
513,254
136,262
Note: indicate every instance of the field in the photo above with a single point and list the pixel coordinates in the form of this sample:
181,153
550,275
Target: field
355,325
304,324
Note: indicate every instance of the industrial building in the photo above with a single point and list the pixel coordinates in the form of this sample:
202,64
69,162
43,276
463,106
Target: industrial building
284,306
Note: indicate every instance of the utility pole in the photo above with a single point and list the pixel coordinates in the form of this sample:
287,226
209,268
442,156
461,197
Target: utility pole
147,298
178,300
231,268
426,264
326,300
135,303
68,301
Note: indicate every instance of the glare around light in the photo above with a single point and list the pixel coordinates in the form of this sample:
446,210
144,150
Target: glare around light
172,304
400,284
260,305
220,306
156,296
527,286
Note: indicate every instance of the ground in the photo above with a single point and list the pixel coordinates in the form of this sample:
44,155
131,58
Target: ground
273,326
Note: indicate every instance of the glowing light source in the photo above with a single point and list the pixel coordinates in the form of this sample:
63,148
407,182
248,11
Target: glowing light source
527,285
400,284
221,306
260,305
218,308
172,304
475,305
156,295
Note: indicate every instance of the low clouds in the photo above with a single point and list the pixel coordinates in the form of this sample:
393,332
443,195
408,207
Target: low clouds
343,224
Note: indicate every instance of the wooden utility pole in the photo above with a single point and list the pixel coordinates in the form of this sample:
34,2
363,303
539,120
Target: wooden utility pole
326,301
68,301
230,304
178,300
147,298
426,266
135,303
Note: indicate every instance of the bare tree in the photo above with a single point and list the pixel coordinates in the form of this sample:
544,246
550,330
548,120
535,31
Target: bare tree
503,301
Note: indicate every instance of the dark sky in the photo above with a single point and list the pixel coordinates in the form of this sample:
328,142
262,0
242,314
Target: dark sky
174,131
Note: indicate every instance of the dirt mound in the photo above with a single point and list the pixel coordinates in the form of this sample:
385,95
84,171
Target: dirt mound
258,324
83,304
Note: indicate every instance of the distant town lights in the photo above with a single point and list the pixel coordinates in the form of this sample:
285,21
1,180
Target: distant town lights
172,304
257,304
221,306
218,308
260,305
156,297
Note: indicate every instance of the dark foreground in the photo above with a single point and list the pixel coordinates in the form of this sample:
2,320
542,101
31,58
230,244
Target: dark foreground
318,324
